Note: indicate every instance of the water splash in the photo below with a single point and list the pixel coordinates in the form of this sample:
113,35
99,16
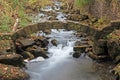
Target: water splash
61,16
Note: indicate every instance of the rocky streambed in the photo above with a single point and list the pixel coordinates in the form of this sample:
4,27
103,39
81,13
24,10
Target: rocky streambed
58,54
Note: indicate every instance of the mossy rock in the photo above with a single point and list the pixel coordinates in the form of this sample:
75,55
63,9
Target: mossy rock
12,59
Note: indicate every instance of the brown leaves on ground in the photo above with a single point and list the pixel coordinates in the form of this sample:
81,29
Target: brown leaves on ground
8,72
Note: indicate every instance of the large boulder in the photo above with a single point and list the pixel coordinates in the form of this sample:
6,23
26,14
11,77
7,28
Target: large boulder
26,42
100,47
22,44
12,59
8,72
113,46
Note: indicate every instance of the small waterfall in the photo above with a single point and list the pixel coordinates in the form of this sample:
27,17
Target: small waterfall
61,52
65,46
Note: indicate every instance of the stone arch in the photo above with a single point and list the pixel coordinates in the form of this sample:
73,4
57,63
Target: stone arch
69,25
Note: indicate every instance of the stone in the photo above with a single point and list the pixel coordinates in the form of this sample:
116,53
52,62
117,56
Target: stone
116,71
117,59
76,54
38,59
89,50
78,43
22,44
8,72
41,41
94,20
12,59
84,39
113,46
100,47
47,31
26,42
27,55
39,52
98,58
84,17
54,42
80,48
74,17
78,34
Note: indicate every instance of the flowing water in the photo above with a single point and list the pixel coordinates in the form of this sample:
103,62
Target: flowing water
43,16
62,66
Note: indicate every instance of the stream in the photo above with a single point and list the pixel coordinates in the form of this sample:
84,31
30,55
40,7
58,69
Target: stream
61,65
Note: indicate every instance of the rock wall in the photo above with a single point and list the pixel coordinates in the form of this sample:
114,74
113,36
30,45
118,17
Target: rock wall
109,9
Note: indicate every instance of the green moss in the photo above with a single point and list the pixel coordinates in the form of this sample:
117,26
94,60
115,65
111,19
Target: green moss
82,3
9,9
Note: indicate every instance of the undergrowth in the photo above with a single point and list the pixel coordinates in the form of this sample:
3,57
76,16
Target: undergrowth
9,9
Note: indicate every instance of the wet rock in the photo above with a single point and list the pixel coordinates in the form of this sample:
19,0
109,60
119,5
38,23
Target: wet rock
27,55
26,42
89,49
22,44
84,39
54,42
80,48
79,35
84,43
8,72
76,54
53,18
46,31
38,52
98,57
78,43
38,59
113,46
41,41
12,59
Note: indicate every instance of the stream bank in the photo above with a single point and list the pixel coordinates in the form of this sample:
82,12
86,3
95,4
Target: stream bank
40,43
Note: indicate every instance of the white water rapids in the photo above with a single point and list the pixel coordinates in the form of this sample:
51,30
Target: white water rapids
62,66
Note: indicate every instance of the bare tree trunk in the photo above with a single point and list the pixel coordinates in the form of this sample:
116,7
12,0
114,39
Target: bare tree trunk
16,18
15,26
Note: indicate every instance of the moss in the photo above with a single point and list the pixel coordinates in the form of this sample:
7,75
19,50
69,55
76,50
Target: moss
10,9
82,3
